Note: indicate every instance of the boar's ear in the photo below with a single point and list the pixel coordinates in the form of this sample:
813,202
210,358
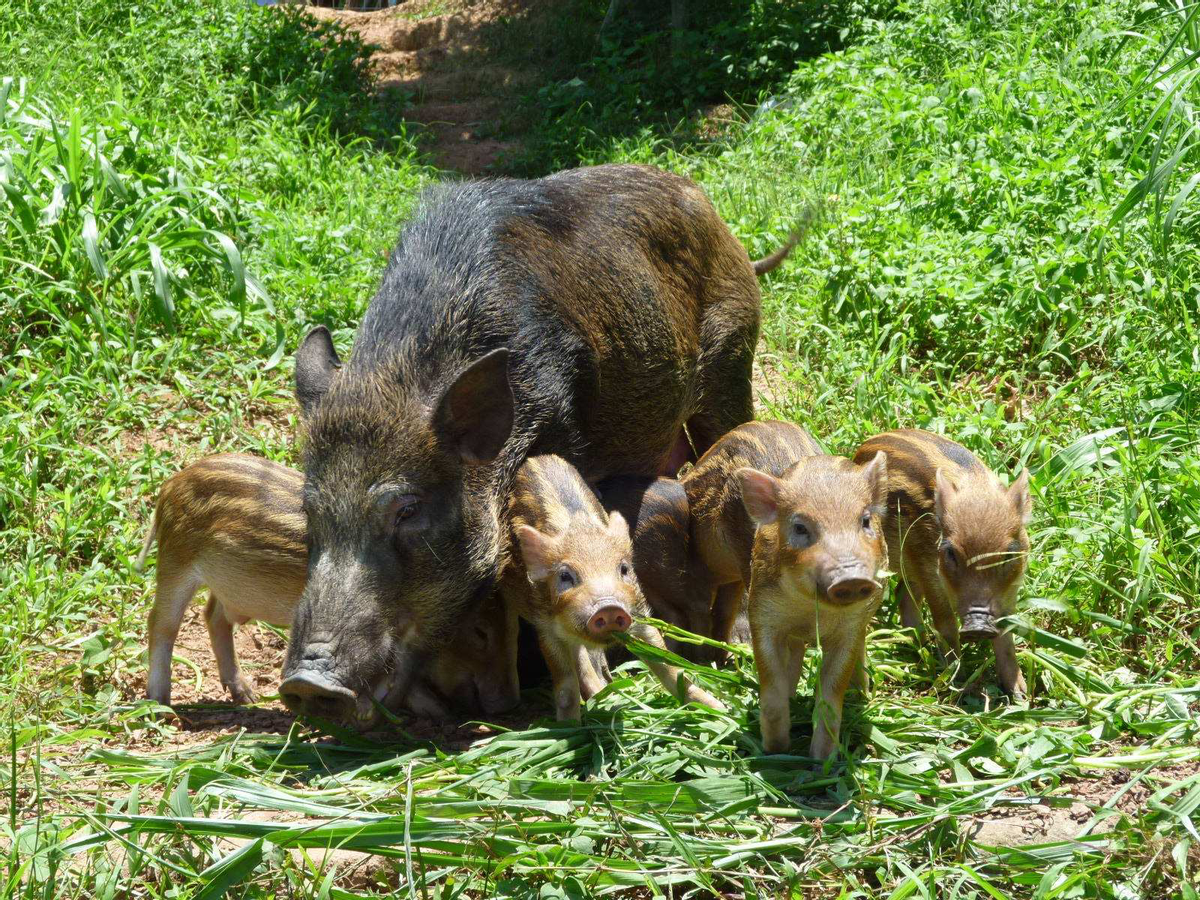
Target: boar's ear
877,477
1018,493
760,495
316,363
617,527
475,416
943,492
537,551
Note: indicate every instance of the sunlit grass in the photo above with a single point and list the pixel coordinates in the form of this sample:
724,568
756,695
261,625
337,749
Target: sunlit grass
978,270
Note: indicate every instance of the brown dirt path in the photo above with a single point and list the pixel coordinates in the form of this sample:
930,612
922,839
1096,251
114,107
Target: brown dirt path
435,52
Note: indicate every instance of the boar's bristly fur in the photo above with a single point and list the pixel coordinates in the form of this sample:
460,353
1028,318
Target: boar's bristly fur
235,524
592,314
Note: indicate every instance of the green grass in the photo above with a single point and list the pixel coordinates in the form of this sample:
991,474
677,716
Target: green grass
1007,254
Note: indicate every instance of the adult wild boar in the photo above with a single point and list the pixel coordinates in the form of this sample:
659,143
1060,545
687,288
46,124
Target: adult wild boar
591,314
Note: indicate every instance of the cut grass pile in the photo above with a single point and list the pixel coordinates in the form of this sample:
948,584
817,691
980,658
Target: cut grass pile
188,186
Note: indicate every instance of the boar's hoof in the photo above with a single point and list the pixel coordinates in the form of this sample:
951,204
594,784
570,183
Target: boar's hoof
851,590
609,620
978,628
310,694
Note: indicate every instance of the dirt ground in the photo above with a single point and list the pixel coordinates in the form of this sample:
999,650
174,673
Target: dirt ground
434,52
204,711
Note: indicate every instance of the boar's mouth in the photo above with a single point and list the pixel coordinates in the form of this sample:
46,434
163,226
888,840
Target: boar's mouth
311,688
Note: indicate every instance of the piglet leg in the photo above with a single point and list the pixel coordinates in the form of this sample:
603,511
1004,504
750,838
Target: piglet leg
670,677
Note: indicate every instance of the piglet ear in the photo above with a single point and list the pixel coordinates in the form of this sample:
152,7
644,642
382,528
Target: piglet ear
617,527
760,495
943,493
1022,500
316,364
876,473
474,417
537,551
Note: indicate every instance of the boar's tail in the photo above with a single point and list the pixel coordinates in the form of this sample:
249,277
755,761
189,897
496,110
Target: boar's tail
140,563
772,260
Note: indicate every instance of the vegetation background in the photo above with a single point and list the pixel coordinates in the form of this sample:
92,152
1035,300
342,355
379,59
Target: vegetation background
1008,254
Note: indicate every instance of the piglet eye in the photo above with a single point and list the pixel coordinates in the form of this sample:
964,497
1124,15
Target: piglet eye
624,569
866,521
951,556
566,579
799,529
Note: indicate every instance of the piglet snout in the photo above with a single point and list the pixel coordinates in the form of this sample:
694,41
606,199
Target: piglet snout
851,589
609,619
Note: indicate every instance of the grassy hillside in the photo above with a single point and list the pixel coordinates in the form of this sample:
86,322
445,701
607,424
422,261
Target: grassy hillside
1007,253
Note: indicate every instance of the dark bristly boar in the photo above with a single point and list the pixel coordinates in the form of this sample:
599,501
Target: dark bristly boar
676,583
722,532
235,524
593,314
804,531
571,576
958,536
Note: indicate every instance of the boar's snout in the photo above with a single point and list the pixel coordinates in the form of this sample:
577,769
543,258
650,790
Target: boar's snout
311,692
496,698
978,625
609,619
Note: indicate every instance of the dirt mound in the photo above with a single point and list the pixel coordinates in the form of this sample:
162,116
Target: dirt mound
435,53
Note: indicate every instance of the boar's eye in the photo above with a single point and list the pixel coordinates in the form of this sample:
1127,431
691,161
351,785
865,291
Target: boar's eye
406,508
625,569
866,521
481,636
567,578
800,534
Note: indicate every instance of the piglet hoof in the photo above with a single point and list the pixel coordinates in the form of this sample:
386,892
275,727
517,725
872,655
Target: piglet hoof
771,746
704,698
1017,690
568,715
823,746
241,692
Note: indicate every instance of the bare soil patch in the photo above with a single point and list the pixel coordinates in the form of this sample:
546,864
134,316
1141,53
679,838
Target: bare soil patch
1075,809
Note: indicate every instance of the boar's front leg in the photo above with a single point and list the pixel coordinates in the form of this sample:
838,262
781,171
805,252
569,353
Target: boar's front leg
842,653
725,609
670,677
562,661
910,614
945,620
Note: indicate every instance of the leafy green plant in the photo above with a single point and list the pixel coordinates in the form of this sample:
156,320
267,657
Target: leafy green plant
99,212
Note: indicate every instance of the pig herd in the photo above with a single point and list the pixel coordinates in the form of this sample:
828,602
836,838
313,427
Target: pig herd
547,416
